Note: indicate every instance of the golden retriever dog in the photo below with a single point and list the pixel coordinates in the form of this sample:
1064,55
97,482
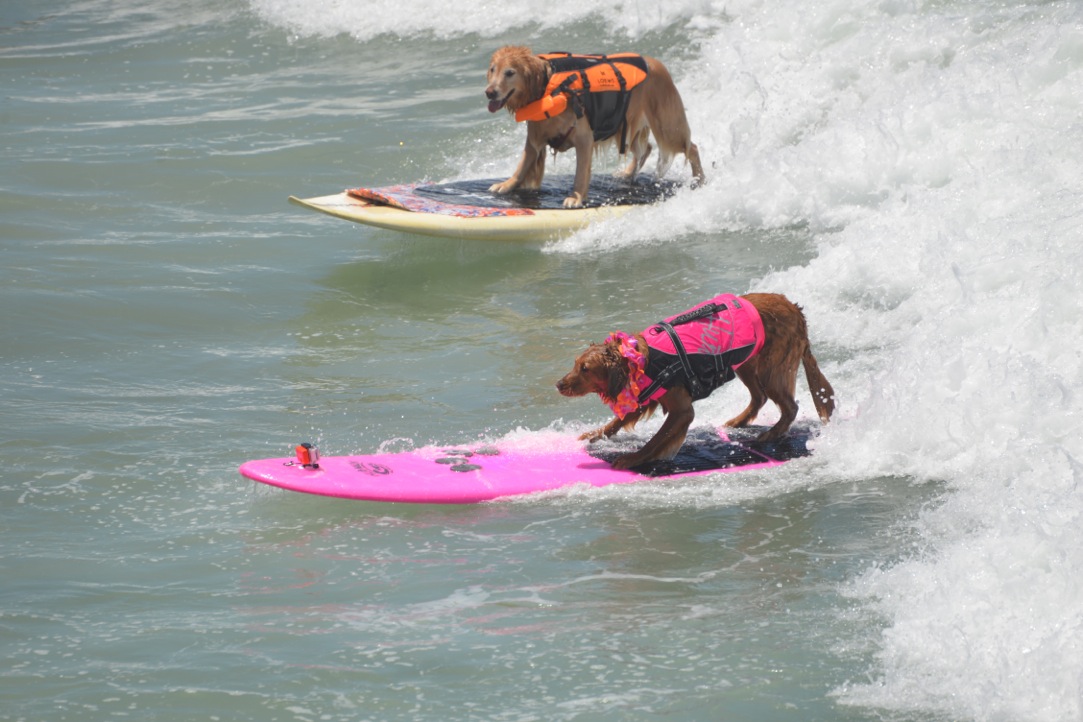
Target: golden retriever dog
760,338
520,81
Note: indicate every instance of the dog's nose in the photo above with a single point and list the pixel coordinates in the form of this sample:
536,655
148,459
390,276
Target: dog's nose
490,94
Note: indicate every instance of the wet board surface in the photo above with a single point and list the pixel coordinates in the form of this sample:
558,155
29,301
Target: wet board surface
466,209
470,474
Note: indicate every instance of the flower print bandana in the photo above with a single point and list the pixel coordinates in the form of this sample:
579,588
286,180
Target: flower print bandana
627,400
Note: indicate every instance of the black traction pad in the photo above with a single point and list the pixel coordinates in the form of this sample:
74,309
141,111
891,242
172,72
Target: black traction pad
705,450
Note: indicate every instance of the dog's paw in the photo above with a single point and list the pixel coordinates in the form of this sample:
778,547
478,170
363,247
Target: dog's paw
771,435
627,461
573,201
502,188
592,436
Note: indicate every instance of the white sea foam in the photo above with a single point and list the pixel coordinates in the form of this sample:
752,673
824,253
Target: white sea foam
933,149
944,148
412,18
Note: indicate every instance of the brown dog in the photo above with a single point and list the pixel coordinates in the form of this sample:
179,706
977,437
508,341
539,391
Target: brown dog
566,116
761,338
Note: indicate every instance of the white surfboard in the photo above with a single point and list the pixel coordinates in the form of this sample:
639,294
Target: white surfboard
466,209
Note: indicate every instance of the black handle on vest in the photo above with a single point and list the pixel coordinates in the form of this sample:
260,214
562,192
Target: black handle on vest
708,310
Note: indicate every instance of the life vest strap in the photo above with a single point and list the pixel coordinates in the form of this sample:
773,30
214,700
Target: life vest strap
582,81
565,89
695,386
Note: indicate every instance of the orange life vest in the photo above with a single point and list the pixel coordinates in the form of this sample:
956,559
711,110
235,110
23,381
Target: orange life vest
597,85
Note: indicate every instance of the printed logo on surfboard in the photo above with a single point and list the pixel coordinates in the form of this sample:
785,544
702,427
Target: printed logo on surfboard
371,469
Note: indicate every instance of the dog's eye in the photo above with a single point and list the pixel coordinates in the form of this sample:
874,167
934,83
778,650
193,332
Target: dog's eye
508,73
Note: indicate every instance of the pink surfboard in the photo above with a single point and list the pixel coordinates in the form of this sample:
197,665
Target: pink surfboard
475,473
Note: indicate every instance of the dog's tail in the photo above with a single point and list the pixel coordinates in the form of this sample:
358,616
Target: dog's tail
823,396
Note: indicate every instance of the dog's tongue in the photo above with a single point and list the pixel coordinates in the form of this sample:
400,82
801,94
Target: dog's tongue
495,105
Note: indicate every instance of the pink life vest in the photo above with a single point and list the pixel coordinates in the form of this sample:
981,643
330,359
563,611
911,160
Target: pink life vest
701,348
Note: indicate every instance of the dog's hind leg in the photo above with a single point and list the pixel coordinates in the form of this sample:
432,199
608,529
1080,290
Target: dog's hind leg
665,160
640,148
779,371
747,374
673,142
782,393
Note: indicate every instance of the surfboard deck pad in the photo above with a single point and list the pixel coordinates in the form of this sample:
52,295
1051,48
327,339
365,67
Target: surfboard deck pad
705,450
468,197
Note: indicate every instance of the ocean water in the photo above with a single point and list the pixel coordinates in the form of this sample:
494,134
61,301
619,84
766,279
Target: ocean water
909,171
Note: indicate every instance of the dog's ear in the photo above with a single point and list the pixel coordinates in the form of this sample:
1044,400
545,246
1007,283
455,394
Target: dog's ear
532,69
617,368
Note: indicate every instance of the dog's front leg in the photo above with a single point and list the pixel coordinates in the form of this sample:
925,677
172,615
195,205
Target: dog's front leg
603,432
677,403
615,424
525,171
584,154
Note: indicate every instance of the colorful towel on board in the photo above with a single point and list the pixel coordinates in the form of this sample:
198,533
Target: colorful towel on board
405,197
